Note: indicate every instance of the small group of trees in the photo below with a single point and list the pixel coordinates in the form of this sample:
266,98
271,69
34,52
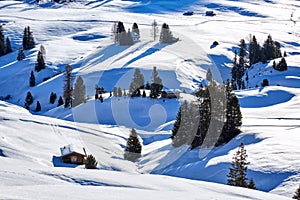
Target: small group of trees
255,53
281,66
133,148
122,37
213,120
28,40
238,172
53,97
5,45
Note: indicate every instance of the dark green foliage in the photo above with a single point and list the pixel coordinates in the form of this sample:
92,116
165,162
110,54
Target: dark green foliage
265,83
78,95
28,100
239,65
32,79
28,40
40,64
133,147
254,51
135,28
52,98
156,86
8,48
68,89
119,92
21,54
166,35
136,84
90,162
60,101
38,107
297,194
238,172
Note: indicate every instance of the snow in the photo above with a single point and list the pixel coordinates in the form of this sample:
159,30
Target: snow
79,34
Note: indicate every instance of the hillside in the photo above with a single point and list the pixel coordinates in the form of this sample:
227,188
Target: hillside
79,34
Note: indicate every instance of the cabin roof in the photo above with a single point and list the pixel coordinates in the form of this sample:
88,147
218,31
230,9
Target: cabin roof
69,149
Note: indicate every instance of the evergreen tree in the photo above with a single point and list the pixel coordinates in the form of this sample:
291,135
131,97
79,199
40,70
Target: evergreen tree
43,51
115,91
114,31
254,51
40,62
28,40
284,54
52,98
126,38
124,93
133,147
32,79
38,107
265,83
60,101
251,184
144,94
21,54
234,69
282,65
119,92
90,162
28,100
136,84
166,34
156,86
79,95
8,48
154,30
270,48
68,89
148,86
135,28
2,42
297,194
238,172
101,98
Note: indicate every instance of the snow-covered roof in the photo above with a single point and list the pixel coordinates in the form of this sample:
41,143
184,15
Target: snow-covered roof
68,149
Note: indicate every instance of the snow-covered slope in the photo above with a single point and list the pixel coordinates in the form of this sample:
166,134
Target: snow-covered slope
79,34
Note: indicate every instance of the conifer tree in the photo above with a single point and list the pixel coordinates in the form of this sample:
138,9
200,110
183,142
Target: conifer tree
38,107
265,83
32,79
156,86
154,30
2,42
238,172
8,48
144,94
101,98
28,100
40,62
269,47
79,95
133,148
90,162
136,84
68,89
282,65
251,184
52,98
297,194
254,51
166,34
135,28
115,91
119,92
60,101
28,40
21,54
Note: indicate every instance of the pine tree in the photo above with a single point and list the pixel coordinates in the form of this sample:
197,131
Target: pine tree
126,38
270,48
156,86
52,98
297,194
90,162
28,100
166,34
40,62
32,79
251,184
238,171
282,65
21,54
2,42
60,101
135,28
8,48
115,91
119,92
28,40
133,148
68,89
254,51
154,30
114,31
265,83
144,94
136,84
101,98
38,107
79,95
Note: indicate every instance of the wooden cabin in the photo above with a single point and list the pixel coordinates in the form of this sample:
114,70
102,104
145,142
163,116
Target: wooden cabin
72,155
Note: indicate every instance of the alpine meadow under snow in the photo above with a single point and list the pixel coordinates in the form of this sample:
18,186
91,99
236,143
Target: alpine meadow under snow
79,34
